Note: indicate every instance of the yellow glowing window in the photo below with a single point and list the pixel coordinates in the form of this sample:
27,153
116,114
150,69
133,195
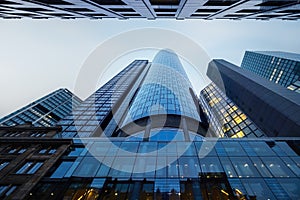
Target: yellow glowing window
233,108
237,120
240,134
214,101
243,116
225,128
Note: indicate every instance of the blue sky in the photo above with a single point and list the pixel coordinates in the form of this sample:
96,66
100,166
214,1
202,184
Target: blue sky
39,56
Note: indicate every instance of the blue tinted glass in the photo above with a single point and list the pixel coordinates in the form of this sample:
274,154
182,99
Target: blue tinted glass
205,148
211,164
277,167
233,149
189,167
291,186
244,167
87,167
261,167
257,187
34,168
62,169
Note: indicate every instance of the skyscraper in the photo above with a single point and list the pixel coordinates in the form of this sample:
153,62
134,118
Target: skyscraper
142,136
226,119
46,111
273,108
282,68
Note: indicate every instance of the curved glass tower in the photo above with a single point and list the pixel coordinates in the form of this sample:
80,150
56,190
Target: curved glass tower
165,97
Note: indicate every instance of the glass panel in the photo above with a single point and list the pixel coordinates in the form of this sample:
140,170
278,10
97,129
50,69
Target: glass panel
291,186
99,148
172,167
277,167
171,148
62,169
244,167
260,166
233,149
127,148
161,170
186,149
248,149
292,165
261,148
220,149
210,164
35,168
286,148
122,167
189,167
148,148
11,190
144,167
277,190
258,188
205,149
73,167
24,167
228,168
3,165
87,167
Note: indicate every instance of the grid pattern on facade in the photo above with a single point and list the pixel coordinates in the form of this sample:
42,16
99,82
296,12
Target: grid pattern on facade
46,111
226,118
295,87
261,168
88,116
152,9
279,67
165,90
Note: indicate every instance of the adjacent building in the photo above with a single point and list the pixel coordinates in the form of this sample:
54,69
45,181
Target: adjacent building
282,68
152,9
226,119
273,108
46,111
26,155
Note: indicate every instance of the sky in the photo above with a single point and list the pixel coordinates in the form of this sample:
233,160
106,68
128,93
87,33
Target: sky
40,56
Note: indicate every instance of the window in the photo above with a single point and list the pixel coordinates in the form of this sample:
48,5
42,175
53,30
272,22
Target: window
87,167
29,167
47,151
244,167
62,169
211,164
277,167
3,164
6,190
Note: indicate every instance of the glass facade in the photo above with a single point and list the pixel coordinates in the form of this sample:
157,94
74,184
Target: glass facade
279,67
264,168
295,86
46,111
164,91
225,117
85,120
160,159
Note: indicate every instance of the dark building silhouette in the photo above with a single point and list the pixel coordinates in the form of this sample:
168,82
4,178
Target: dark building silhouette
151,9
